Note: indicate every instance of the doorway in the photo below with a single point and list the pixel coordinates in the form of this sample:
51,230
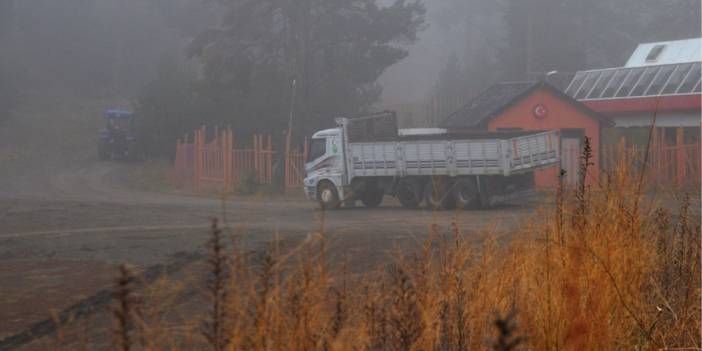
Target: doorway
571,148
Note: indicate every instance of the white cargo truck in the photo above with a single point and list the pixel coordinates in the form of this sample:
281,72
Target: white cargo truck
368,158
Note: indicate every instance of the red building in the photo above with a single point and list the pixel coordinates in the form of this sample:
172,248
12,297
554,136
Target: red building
660,86
535,106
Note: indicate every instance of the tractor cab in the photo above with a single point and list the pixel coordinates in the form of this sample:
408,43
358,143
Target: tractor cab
118,138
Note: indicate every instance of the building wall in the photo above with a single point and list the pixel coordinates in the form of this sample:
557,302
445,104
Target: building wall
561,115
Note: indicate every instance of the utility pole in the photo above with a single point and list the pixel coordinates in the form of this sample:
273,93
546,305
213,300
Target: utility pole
288,138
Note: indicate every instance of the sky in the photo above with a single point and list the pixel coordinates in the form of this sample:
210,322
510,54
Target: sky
410,80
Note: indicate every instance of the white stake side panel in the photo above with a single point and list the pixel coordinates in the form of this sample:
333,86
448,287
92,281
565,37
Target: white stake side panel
454,157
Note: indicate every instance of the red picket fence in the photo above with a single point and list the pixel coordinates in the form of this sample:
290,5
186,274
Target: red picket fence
672,165
217,161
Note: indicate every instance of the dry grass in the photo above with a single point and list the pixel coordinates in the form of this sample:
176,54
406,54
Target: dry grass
603,270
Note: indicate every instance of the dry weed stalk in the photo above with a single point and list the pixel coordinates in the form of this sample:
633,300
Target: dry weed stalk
214,328
614,274
122,313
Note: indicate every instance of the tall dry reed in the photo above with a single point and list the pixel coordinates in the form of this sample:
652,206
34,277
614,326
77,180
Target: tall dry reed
605,268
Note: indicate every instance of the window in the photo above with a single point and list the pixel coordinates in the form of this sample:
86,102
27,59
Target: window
642,84
655,53
615,83
676,78
576,83
122,124
601,84
660,80
589,82
318,148
632,78
693,77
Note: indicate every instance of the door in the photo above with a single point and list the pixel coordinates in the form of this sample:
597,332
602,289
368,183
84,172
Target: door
571,148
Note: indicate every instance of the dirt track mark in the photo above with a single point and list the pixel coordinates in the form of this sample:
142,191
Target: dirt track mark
94,303
129,229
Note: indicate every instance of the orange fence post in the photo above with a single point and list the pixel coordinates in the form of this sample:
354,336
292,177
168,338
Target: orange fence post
269,161
679,156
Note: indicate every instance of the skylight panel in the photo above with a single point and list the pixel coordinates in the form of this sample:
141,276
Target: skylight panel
659,81
655,53
643,82
601,84
587,85
691,79
575,83
676,78
631,79
615,83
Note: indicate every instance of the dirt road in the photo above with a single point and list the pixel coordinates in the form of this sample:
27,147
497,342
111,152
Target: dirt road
62,234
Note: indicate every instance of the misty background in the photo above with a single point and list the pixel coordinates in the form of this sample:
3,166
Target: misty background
183,63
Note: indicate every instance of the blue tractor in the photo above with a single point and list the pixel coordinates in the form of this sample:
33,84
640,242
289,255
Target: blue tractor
118,138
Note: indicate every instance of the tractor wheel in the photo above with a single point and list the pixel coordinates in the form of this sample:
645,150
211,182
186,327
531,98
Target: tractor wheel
327,196
132,155
466,195
103,155
436,194
409,192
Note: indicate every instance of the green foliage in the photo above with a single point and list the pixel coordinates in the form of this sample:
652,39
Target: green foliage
335,51
168,107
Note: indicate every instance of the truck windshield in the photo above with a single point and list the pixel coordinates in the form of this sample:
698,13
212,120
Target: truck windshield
318,148
118,123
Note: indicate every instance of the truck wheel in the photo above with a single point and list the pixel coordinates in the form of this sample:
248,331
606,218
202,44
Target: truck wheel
409,193
372,197
466,195
102,151
328,197
132,152
436,194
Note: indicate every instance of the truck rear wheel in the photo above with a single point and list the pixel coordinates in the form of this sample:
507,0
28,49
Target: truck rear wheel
436,194
328,197
409,193
466,194
372,197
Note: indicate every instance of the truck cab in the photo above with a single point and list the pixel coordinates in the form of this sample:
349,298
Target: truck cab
324,166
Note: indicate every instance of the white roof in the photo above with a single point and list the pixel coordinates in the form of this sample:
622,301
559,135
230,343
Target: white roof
674,51
421,131
326,133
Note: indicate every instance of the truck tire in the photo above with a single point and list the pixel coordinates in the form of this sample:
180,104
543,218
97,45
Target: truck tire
436,194
409,193
466,194
372,198
327,196
132,155
102,151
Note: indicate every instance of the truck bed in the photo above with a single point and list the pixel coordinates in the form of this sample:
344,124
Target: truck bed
455,155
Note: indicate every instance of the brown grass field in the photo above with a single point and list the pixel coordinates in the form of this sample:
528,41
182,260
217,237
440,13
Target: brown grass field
607,268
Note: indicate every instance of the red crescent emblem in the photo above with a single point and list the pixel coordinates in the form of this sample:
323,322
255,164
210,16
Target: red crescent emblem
540,111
